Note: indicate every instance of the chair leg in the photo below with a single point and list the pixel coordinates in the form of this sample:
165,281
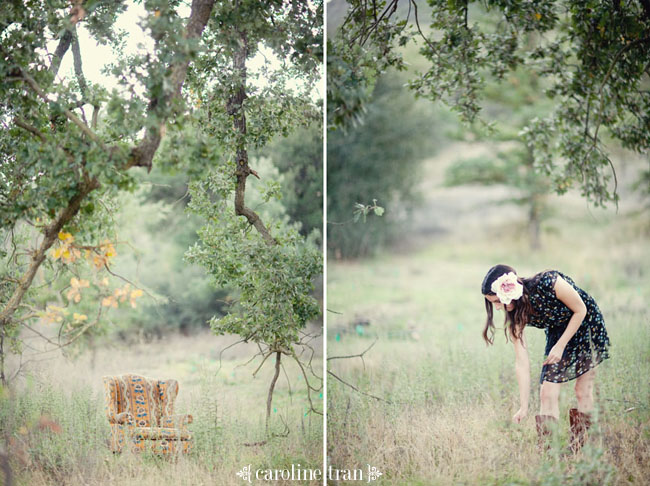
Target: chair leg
580,423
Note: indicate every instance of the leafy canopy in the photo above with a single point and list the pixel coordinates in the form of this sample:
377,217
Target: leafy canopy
593,57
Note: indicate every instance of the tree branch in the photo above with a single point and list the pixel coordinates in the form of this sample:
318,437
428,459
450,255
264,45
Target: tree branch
269,399
356,389
235,108
360,355
22,123
142,154
61,49
78,70
50,234
71,116
601,108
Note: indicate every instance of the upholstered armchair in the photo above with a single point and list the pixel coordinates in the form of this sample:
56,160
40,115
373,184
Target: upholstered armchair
140,412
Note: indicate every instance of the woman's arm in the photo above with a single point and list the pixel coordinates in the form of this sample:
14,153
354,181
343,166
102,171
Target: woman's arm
568,295
522,371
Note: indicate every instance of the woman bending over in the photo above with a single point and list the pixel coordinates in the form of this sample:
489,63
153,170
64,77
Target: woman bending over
576,341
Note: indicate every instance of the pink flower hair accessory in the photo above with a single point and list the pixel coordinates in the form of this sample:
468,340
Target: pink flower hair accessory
507,288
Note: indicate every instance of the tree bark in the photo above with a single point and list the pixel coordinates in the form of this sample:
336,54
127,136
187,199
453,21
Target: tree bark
269,400
534,222
78,69
142,154
235,108
60,51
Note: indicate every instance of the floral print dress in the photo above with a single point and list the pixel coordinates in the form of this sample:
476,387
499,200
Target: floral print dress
588,346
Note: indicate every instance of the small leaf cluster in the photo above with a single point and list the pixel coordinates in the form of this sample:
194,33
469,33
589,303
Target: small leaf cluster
363,210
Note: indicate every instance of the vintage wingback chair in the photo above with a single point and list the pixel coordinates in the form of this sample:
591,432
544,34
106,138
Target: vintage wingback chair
140,412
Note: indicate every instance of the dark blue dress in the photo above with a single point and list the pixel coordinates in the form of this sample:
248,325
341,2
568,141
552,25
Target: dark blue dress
588,346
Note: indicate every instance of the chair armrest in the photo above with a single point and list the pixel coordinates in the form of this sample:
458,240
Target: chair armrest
124,418
176,421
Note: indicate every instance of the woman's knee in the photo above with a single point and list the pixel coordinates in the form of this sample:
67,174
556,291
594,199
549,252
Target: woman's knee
584,386
584,390
549,392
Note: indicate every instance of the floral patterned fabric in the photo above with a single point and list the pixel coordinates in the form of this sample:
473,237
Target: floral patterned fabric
588,346
140,413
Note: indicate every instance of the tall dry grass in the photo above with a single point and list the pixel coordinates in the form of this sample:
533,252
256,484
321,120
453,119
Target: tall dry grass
55,430
449,399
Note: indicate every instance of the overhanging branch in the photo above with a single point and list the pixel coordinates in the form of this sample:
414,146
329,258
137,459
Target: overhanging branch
142,154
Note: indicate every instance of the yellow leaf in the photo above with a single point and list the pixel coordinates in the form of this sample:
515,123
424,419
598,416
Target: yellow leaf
64,236
156,13
57,253
99,261
66,254
109,301
77,298
79,317
109,251
538,15
123,293
136,293
74,282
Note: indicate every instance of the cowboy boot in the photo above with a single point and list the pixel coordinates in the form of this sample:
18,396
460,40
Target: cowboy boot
544,423
580,423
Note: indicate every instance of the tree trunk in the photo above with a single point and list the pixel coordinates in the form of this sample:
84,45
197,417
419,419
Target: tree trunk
235,108
534,222
3,379
269,399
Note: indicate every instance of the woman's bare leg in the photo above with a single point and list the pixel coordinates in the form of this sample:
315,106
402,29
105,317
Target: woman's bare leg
585,391
549,399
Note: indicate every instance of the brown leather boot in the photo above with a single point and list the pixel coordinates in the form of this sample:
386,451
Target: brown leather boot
580,423
544,423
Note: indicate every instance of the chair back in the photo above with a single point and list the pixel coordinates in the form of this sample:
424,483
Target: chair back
147,400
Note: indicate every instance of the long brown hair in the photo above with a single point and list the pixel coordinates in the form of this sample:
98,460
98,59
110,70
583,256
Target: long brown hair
517,318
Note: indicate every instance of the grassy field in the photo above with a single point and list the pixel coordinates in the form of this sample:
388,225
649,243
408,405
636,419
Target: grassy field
447,399
227,403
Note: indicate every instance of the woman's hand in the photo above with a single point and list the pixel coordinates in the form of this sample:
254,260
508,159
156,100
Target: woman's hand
555,355
520,415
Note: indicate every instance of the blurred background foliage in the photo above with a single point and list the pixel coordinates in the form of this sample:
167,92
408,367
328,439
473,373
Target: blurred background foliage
380,158
383,140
